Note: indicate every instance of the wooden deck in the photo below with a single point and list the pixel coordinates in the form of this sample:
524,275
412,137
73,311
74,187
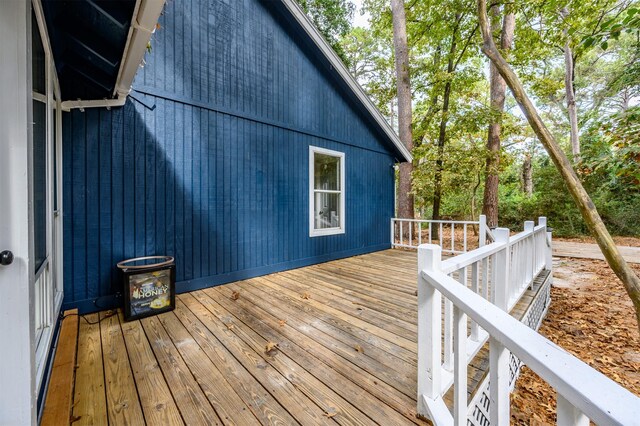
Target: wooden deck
346,352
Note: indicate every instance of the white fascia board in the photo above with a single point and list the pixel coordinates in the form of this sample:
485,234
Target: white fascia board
143,24
346,76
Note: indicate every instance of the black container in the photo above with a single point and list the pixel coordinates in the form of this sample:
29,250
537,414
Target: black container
149,286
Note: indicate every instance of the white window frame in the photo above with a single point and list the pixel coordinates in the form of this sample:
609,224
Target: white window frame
312,191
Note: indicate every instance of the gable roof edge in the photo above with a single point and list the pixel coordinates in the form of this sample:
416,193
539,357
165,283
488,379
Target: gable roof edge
346,76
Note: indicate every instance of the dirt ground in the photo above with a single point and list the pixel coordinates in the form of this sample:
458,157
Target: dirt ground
591,317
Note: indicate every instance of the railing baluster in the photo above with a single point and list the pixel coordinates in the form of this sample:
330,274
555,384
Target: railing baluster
410,234
393,233
485,278
474,288
568,415
499,383
460,369
419,233
440,233
401,232
448,335
430,225
464,240
453,237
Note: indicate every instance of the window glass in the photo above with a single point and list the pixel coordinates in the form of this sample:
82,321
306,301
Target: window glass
39,153
39,182
327,172
326,192
38,62
327,208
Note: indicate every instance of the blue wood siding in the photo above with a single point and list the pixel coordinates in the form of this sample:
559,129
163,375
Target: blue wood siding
208,161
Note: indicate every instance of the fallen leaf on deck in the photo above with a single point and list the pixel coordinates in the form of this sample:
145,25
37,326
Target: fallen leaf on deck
305,295
330,414
235,295
270,348
229,326
282,322
358,348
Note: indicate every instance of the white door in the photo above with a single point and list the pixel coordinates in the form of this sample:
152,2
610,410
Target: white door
30,288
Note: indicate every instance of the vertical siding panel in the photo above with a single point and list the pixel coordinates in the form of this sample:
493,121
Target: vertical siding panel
117,190
150,208
139,196
219,195
159,142
197,192
78,194
92,167
211,177
67,203
179,193
169,119
204,192
104,196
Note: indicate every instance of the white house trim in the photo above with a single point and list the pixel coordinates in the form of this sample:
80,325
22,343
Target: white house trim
342,71
313,232
17,352
143,24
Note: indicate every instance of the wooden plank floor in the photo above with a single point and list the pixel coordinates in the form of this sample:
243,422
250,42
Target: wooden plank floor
346,352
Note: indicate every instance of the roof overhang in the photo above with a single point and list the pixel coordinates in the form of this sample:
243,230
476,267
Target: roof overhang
344,74
98,47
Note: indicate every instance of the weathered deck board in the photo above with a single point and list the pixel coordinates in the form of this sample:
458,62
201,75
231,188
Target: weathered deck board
90,406
58,403
346,351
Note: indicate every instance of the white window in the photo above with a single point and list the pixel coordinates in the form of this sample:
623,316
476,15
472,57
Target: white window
326,192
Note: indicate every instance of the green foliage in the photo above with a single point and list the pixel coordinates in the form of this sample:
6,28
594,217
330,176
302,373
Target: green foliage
333,19
604,36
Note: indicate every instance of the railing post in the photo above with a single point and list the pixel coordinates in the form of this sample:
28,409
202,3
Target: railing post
393,237
482,231
429,327
548,263
568,415
501,273
529,254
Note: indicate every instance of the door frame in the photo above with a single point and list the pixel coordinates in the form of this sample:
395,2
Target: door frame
20,377
17,369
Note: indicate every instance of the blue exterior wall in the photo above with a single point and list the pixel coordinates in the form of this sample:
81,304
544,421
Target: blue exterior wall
208,160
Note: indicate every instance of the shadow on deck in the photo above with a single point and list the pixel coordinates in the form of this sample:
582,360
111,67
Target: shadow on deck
346,351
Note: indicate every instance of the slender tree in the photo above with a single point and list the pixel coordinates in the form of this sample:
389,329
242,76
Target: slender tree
569,69
497,89
401,49
587,209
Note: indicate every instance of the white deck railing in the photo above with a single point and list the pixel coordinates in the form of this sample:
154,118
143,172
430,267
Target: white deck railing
493,278
410,233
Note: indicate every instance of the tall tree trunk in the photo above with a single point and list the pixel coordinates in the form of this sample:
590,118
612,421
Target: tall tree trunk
498,89
570,93
442,134
588,210
442,137
405,197
527,175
